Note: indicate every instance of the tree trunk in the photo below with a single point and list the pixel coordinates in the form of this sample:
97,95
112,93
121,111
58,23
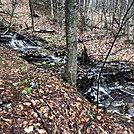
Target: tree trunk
70,74
32,12
83,14
0,2
52,9
12,11
133,28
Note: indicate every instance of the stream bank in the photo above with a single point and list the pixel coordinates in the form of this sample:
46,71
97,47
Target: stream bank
116,91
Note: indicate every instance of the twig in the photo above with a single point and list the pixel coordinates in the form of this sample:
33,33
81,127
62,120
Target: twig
116,36
39,115
7,29
47,104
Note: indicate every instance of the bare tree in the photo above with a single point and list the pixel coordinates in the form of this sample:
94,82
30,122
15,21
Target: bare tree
12,12
32,12
129,27
71,46
52,9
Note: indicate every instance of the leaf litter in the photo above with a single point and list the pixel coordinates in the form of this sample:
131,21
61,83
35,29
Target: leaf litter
53,106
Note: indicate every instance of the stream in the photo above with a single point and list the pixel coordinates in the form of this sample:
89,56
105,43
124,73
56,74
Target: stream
116,89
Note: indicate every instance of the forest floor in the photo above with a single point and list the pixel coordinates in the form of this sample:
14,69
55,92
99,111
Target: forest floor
53,106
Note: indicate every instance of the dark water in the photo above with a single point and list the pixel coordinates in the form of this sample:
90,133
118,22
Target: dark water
116,89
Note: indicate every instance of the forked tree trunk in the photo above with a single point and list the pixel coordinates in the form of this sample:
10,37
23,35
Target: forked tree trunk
71,46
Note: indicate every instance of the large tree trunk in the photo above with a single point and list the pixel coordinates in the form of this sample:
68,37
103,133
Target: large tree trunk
71,66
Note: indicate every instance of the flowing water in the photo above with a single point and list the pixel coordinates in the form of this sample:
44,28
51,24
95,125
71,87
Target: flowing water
116,88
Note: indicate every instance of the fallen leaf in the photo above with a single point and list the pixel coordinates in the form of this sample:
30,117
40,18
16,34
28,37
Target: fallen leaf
29,129
41,131
99,117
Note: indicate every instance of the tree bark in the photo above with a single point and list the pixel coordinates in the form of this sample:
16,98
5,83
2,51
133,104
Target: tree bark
52,9
32,12
0,2
70,74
